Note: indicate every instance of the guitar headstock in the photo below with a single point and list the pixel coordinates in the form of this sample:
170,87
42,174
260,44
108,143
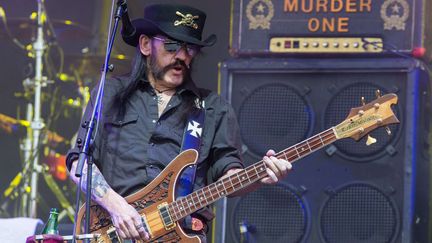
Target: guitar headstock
362,120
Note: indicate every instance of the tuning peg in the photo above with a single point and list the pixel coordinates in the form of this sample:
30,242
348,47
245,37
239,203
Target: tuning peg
370,140
389,132
378,93
363,101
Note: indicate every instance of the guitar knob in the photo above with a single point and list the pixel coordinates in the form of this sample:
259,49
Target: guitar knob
361,112
370,140
363,101
389,132
378,93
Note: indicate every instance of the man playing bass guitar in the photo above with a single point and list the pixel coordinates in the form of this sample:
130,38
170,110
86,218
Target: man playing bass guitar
145,118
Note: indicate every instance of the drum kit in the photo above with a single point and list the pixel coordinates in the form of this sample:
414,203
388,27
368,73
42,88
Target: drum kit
42,146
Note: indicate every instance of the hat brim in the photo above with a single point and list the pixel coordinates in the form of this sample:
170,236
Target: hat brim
147,27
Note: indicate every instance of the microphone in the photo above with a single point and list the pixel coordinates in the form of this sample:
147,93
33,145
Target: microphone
128,31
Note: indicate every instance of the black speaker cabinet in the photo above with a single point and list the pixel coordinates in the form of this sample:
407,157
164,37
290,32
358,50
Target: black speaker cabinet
347,192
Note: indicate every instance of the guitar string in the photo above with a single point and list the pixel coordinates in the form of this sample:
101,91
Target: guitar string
323,139
217,194
313,142
193,206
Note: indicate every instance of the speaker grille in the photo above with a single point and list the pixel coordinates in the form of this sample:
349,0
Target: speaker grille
339,107
277,213
359,213
273,116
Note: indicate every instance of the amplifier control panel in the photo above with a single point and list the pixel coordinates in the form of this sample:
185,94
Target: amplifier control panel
326,45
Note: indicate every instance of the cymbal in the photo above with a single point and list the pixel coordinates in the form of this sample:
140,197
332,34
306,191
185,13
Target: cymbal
24,29
90,65
8,124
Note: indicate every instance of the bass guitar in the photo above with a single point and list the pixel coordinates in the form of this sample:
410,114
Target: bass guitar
160,210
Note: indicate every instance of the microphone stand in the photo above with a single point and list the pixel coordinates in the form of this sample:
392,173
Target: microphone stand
85,156
37,123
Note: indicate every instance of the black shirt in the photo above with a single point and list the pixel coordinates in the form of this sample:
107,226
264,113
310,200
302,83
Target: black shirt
131,150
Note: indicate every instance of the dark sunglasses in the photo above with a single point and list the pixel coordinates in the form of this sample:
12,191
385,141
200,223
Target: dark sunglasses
175,46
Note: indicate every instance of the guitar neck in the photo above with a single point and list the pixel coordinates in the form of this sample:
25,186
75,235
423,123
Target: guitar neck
200,198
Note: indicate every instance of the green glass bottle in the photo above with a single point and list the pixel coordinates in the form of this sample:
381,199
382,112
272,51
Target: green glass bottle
51,227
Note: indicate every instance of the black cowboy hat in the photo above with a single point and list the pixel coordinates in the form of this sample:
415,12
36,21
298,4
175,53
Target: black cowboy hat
179,22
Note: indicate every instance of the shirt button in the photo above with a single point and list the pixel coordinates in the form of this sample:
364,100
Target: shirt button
154,121
151,144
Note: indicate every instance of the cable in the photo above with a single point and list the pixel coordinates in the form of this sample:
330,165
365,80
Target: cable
393,49
9,34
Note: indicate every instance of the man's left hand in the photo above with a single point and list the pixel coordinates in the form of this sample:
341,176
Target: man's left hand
276,169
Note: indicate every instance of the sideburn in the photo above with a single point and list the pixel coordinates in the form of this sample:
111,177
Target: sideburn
156,71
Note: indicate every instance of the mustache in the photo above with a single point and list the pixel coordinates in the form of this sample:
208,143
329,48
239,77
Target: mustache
177,63
159,72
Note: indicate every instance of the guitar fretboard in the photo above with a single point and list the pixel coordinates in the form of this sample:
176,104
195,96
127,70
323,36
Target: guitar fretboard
230,184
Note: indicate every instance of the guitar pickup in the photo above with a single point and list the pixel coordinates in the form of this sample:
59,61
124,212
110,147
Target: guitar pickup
165,216
113,236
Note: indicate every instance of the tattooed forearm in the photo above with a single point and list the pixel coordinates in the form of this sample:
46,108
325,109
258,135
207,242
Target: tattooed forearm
99,185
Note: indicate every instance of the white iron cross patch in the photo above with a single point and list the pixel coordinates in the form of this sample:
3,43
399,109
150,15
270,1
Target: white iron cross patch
194,129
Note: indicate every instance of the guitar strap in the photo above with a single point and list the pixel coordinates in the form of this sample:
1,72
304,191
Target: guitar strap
191,140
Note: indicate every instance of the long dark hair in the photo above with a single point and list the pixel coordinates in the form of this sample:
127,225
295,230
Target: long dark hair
138,71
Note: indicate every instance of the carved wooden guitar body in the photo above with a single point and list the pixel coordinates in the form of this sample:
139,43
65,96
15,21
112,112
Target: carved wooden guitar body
160,211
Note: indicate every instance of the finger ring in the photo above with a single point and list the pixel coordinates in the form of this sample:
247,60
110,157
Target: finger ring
138,226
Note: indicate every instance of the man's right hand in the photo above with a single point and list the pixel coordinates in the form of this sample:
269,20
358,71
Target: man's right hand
126,219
